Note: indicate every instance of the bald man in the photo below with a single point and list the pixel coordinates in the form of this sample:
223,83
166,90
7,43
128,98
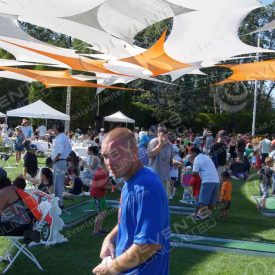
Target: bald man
139,243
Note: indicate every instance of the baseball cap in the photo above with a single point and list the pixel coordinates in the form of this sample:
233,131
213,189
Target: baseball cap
3,173
102,130
33,147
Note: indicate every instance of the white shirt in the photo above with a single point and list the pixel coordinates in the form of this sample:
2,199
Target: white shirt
42,131
175,170
136,136
62,146
272,154
206,168
101,137
4,128
265,146
27,131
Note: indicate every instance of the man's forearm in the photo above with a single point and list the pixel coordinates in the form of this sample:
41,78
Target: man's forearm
113,234
154,152
133,257
57,157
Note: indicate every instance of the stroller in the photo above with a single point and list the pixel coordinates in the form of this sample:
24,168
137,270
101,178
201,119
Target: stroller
40,229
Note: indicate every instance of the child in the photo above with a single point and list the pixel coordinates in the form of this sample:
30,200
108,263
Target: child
49,163
249,151
18,144
100,184
226,191
186,184
196,186
30,162
254,160
174,174
20,183
76,185
265,181
258,160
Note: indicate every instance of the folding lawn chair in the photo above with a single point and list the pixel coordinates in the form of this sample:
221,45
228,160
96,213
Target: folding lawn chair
17,242
41,226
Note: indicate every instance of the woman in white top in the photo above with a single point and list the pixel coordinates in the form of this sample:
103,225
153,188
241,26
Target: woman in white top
93,161
91,165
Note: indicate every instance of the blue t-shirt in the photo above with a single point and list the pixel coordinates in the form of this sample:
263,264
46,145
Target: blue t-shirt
144,219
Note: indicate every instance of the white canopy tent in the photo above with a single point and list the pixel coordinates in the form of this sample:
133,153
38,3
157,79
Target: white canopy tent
2,115
38,109
120,118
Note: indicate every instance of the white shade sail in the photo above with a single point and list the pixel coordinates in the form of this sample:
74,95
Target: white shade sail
119,117
10,31
2,115
50,8
111,81
211,32
126,19
11,62
15,76
38,109
100,40
267,27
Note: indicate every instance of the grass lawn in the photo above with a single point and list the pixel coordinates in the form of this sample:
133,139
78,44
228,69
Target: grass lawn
81,253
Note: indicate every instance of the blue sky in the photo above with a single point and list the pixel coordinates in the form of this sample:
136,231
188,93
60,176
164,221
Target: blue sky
266,2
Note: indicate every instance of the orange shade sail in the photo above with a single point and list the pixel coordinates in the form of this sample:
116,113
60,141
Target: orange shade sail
263,70
156,60
79,63
62,78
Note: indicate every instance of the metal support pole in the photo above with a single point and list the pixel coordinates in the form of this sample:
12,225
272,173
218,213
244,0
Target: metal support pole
69,95
255,95
68,108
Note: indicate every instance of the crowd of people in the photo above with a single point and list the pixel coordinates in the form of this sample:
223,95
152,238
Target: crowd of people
148,166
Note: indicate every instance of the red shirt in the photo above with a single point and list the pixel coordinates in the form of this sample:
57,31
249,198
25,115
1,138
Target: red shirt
99,183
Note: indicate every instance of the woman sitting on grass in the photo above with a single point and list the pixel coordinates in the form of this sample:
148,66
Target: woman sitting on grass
75,184
45,181
14,214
